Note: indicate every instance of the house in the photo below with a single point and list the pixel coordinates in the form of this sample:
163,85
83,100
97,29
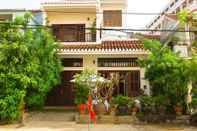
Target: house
87,31
167,20
11,14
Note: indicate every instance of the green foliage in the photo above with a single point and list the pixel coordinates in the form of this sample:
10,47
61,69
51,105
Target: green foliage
194,103
11,105
28,65
167,73
121,100
82,84
34,101
185,16
131,103
47,65
81,95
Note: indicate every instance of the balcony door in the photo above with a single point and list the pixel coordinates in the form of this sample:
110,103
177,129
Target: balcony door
69,32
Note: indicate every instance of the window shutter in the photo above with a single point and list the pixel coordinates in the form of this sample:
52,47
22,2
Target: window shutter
112,18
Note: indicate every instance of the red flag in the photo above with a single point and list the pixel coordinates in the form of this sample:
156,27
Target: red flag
89,103
91,111
82,109
93,116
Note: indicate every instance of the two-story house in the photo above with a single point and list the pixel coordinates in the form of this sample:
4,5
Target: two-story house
87,30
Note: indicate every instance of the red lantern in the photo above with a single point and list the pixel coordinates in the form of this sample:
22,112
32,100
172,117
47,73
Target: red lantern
82,109
89,104
93,116
91,111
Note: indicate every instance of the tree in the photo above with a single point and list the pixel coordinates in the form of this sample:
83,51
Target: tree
186,18
168,73
29,66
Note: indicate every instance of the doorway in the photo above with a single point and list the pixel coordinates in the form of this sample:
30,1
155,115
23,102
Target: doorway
129,82
64,93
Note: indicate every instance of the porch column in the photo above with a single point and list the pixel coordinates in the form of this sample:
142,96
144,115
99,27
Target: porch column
90,62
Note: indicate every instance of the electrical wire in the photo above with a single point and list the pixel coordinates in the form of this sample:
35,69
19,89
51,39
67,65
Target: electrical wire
107,29
127,13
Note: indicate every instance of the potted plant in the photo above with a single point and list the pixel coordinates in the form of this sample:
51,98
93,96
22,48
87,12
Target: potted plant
133,108
81,97
178,109
121,103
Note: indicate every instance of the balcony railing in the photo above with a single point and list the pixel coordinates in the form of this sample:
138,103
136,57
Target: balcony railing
87,37
73,33
117,62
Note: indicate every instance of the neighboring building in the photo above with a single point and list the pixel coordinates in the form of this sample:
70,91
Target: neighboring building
11,14
105,51
167,20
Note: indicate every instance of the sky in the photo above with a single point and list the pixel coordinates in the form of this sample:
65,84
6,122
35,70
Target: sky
133,21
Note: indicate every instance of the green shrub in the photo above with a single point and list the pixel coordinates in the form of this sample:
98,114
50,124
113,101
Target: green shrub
34,101
168,73
194,103
121,100
11,105
81,95
28,61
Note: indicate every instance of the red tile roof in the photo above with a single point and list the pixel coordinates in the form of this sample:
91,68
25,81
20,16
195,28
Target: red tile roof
106,45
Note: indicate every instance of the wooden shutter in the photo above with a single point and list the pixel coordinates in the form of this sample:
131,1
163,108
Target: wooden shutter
112,18
135,83
69,32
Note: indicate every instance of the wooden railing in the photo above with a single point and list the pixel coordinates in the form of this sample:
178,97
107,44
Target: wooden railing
127,62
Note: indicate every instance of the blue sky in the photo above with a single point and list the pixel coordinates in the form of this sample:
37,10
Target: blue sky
133,21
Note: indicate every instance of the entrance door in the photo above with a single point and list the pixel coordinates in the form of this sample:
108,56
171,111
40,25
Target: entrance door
129,82
63,94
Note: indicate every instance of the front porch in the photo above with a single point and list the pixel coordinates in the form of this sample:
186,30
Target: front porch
109,57
63,95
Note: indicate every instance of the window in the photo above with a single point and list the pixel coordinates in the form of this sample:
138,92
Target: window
69,33
117,62
112,18
72,62
5,17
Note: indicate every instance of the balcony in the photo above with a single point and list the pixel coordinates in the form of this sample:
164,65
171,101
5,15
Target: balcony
70,2
113,1
73,33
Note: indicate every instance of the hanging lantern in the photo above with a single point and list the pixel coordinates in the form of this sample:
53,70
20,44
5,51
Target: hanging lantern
82,108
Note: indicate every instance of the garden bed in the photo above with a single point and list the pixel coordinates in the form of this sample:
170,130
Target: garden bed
110,119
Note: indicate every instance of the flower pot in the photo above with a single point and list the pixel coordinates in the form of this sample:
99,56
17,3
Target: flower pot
134,110
122,110
113,111
178,110
100,109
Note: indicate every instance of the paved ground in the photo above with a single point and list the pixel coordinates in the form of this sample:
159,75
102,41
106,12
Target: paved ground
56,122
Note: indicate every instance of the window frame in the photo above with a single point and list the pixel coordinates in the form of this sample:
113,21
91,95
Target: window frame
109,17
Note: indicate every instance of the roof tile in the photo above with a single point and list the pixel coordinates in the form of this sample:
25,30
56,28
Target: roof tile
106,45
